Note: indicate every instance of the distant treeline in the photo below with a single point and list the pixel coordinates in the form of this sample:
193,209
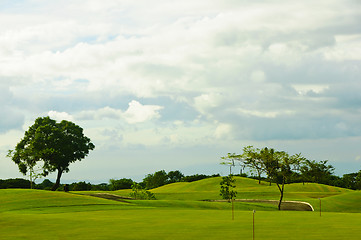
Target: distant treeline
160,178
154,180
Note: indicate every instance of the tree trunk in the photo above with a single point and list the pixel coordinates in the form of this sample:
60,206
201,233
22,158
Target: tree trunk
31,179
57,183
281,191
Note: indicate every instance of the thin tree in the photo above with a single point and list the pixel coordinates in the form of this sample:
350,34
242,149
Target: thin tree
254,160
285,167
228,190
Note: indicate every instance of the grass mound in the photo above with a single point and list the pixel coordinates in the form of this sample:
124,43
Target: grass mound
246,189
40,200
348,202
37,214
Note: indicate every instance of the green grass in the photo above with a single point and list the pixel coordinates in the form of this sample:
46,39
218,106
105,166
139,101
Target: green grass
46,201
160,223
178,214
246,189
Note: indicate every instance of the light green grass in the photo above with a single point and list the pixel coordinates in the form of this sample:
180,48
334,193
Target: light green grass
46,201
178,214
246,189
160,223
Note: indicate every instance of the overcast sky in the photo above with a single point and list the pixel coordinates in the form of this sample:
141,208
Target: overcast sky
179,84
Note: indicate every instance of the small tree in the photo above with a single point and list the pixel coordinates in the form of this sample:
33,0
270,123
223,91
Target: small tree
26,164
140,193
227,188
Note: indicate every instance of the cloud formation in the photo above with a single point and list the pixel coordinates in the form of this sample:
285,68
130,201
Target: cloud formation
188,73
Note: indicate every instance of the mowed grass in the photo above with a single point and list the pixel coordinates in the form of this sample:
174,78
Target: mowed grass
246,189
179,214
161,223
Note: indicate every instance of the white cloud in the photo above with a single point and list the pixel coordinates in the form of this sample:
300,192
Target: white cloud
137,113
263,114
347,48
100,114
207,101
223,131
258,76
303,89
59,116
251,70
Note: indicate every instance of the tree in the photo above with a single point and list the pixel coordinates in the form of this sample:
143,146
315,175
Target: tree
14,183
28,164
155,180
231,160
269,162
46,184
138,192
80,186
285,166
279,166
175,176
55,145
124,183
254,160
318,172
227,188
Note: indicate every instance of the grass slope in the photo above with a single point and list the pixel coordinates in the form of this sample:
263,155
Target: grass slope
348,202
36,214
26,200
174,223
246,189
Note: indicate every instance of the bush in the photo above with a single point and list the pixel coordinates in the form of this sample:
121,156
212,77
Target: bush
80,186
46,185
123,183
138,192
15,183
197,177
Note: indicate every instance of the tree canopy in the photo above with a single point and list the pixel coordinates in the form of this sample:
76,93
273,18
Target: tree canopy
52,144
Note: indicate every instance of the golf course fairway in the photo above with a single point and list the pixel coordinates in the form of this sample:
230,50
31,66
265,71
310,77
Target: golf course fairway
39,214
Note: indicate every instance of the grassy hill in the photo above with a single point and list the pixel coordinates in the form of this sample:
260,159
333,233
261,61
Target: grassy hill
246,189
187,195
27,200
178,214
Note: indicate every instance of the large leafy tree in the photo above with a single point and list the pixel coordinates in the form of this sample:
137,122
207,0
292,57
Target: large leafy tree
53,144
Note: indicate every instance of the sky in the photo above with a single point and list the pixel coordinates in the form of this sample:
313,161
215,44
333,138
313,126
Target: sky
176,85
